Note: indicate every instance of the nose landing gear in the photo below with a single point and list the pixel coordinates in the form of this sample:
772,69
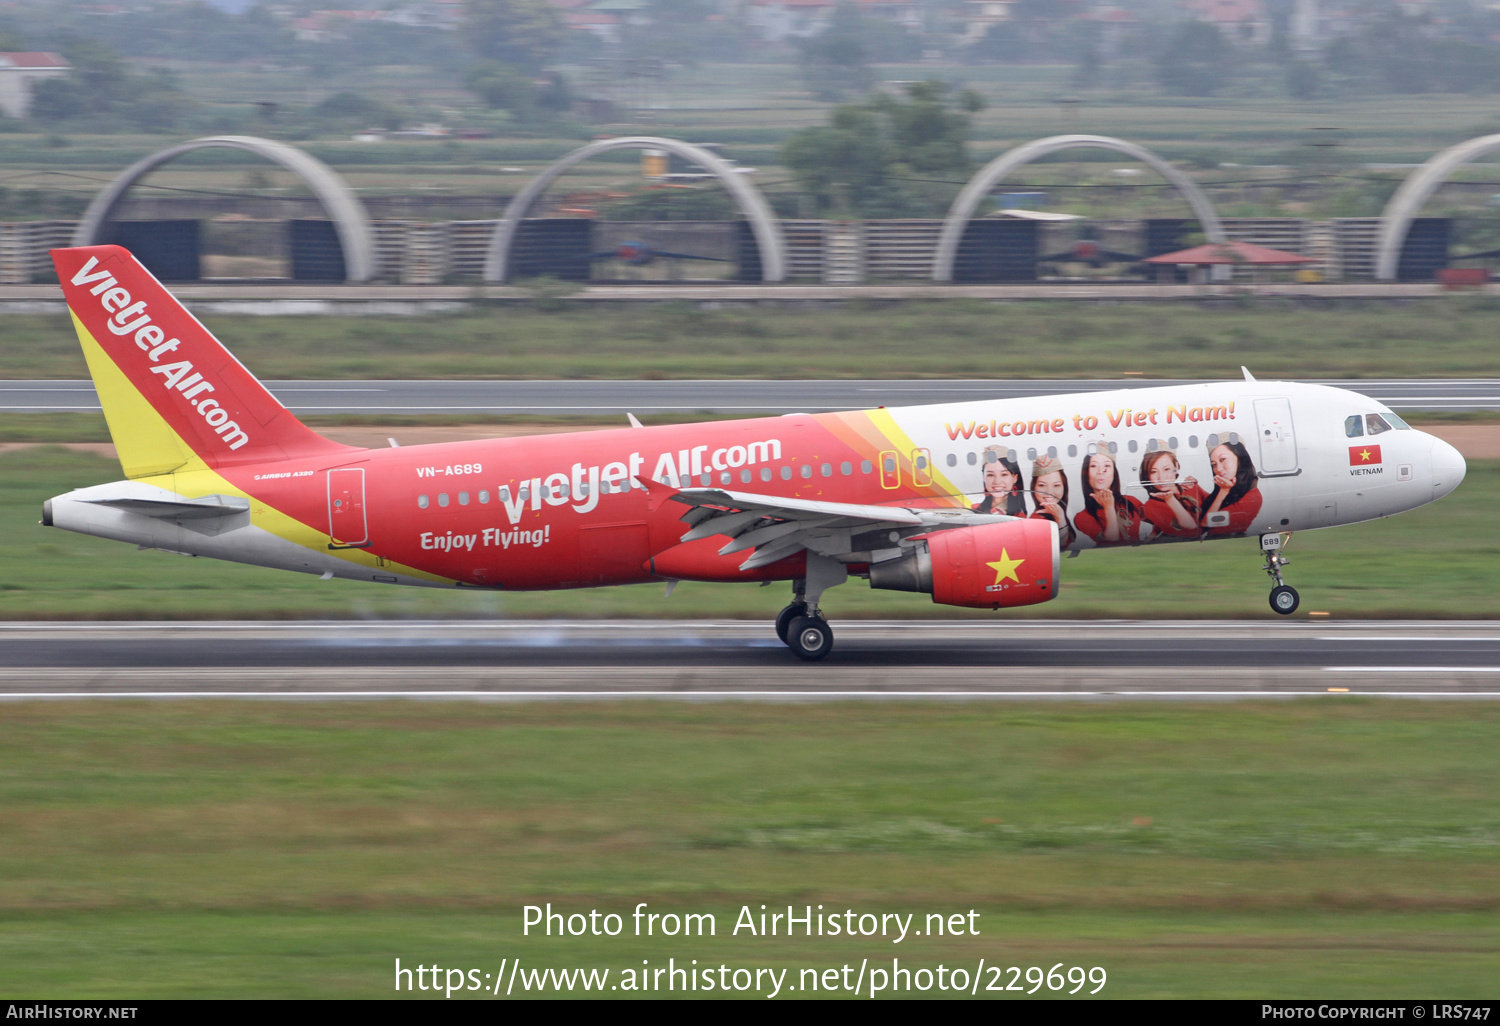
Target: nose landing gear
1284,598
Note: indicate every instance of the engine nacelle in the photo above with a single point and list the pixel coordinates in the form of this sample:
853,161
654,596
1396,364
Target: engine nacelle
1015,563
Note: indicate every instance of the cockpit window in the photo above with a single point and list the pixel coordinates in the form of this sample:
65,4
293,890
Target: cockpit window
1376,424
1354,426
1396,422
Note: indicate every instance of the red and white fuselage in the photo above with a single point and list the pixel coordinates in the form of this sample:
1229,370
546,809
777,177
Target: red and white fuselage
719,501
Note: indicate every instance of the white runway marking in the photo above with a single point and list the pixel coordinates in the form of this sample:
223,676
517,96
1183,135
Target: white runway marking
1411,669
1401,637
723,695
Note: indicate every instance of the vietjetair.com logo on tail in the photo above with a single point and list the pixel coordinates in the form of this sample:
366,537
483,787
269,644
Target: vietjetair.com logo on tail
125,316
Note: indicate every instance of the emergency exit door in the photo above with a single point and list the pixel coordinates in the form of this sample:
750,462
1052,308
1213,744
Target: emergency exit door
1278,441
348,527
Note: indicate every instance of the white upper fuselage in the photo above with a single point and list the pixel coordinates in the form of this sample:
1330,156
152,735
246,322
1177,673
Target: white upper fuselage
1296,434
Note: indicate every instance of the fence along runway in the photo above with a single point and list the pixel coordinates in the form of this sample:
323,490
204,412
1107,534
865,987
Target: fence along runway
536,660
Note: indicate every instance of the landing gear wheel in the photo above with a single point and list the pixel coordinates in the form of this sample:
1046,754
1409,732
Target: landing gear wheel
1284,599
786,616
810,637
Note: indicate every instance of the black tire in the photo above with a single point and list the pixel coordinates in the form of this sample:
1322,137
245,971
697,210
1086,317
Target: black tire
786,616
810,637
1284,599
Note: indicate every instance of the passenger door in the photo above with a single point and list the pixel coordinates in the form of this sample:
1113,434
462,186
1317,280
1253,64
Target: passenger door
348,527
1278,440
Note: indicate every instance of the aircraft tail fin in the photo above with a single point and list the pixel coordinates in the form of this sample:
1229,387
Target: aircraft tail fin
171,392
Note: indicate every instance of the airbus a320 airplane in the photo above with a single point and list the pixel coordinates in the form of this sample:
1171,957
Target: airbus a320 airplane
973,503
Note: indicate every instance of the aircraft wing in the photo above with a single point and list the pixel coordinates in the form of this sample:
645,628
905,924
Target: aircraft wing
776,527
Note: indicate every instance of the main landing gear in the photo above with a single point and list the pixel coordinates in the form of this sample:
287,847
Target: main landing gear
1284,598
786,616
801,625
804,630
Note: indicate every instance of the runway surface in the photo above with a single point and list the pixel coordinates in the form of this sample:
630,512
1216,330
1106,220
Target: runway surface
718,396
594,660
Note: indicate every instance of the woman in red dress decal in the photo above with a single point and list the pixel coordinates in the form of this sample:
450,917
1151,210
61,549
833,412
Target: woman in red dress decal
1049,493
1235,501
1002,483
1172,507
1108,517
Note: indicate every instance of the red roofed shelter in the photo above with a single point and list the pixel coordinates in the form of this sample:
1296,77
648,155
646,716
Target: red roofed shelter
19,74
1234,254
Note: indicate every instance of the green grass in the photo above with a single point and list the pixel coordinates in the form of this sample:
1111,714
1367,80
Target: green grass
964,338
753,107
1433,562
1318,849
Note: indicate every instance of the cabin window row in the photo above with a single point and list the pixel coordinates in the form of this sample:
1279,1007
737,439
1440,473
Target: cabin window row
994,453
444,499
846,468
706,480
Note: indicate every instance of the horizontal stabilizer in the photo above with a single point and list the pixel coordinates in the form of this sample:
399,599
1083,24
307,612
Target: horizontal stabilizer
207,508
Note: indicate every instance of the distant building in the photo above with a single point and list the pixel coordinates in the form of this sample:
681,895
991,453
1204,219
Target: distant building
19,75
605,26
1243,22
322,26
982,15
444,15
775,20
905,13
1114,22
1305,28
636,13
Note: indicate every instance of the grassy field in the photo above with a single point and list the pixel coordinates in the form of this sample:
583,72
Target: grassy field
1434,562
963,338
1327,849
751,108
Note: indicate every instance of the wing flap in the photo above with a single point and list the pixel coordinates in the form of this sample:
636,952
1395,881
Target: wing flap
776,526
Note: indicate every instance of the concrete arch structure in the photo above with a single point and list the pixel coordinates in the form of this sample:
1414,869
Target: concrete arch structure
1396,218
762,221
349,217
998,169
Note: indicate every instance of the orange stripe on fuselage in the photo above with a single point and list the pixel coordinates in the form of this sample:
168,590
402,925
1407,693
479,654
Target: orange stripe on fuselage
540,544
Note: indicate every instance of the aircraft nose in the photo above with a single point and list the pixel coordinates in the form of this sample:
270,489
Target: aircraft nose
1448,468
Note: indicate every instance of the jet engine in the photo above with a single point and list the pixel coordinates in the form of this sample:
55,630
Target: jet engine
1013,563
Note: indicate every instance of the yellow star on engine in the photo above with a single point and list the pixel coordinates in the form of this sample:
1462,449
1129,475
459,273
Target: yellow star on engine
1005,567
1365,455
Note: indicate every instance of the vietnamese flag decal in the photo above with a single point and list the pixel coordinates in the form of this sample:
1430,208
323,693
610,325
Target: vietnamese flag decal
1363,455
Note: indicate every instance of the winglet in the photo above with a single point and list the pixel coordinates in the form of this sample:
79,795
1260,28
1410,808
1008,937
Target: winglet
1248,375
633,421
